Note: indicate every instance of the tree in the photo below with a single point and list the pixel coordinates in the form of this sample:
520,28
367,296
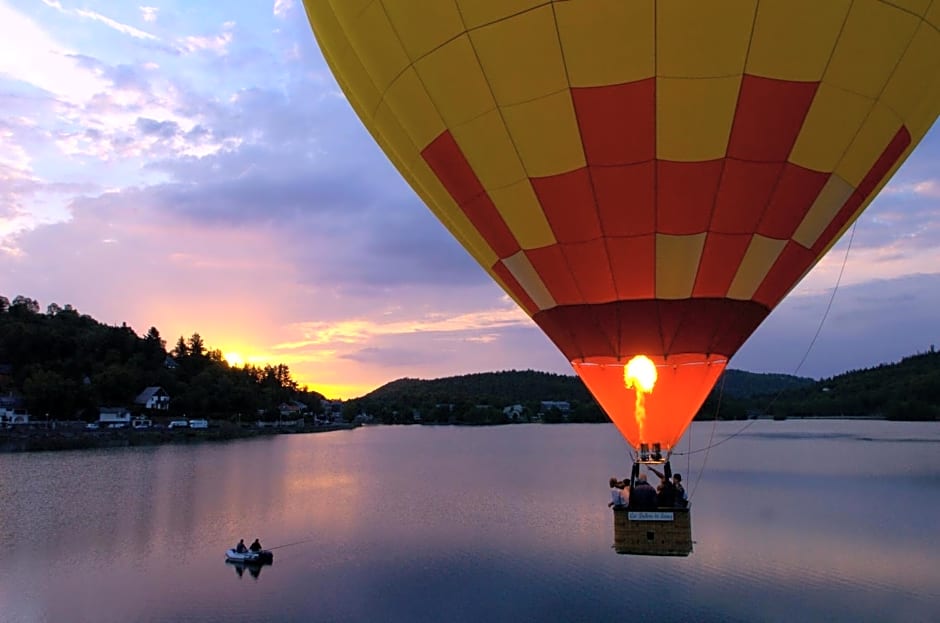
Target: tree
24,305
197,347
181,350
52,309
4,304
153,338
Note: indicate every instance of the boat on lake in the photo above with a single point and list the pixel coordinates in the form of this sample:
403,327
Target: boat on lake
263,557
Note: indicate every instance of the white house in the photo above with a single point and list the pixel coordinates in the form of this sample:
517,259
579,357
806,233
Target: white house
562,405
12,416
513,412
114,415
153,398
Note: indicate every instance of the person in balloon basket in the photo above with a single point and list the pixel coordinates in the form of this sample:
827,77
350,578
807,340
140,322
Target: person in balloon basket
682,500
642,495
666,493
618,494
240,548
255,546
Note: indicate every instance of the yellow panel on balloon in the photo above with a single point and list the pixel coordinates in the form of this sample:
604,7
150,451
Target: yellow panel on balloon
423,26
478,12
873,137
918,7
830,126
925,112
694,117
862,62
457,100
343,60
486,144
793,39
607,41
377,45
545,132
827,204
933,15
759,258
521,56
702,39
347,10
914,76
523,213
677,262
414,109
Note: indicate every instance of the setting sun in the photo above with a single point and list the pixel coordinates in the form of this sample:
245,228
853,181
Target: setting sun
234,359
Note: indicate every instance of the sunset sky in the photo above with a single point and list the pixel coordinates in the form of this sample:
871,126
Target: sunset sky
193,166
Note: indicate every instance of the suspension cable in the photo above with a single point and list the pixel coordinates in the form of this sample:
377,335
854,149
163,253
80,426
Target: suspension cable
809,348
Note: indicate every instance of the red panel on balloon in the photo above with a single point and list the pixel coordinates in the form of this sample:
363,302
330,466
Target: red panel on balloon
768,118
552,267
794,260
685,194
450,166
662,415
568,202
794,195
626,199
653,327
743,195
721,258
490,224
590,267
617,122
633,264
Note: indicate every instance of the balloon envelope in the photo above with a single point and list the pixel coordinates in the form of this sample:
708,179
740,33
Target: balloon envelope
641,177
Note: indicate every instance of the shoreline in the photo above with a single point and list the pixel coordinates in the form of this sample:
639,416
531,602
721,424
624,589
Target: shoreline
66,437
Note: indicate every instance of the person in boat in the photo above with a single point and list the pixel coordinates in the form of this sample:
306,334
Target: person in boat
642,495
255,546
240,548
618,494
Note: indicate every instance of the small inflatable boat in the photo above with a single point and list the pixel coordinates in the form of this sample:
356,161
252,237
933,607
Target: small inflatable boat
264,557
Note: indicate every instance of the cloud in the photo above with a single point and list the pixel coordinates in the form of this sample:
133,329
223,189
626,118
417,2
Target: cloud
283,7
110,23
42,62
149,13
217,44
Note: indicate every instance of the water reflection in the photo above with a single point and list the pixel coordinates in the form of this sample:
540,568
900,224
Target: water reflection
469,524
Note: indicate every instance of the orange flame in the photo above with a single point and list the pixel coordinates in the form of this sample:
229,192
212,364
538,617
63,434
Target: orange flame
640,374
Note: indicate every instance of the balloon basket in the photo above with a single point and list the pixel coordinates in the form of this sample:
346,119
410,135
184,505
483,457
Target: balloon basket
666,532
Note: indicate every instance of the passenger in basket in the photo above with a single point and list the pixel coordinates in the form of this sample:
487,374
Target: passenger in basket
642,495
682,500
618,495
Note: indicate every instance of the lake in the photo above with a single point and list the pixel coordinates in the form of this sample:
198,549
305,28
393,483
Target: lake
792,521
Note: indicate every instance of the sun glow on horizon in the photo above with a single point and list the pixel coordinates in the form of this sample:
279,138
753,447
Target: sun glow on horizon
235,360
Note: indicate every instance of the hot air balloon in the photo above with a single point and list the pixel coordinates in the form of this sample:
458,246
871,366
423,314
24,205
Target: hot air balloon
646,179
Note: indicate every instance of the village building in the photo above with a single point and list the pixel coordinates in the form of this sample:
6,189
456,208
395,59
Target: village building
154,399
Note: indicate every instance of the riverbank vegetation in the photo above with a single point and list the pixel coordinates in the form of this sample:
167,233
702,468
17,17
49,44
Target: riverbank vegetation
65,365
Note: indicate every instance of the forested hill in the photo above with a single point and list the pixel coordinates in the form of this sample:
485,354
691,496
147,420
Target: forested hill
906,390
513,386
494,388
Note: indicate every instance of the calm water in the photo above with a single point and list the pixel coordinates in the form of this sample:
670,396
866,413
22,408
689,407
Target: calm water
792,521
